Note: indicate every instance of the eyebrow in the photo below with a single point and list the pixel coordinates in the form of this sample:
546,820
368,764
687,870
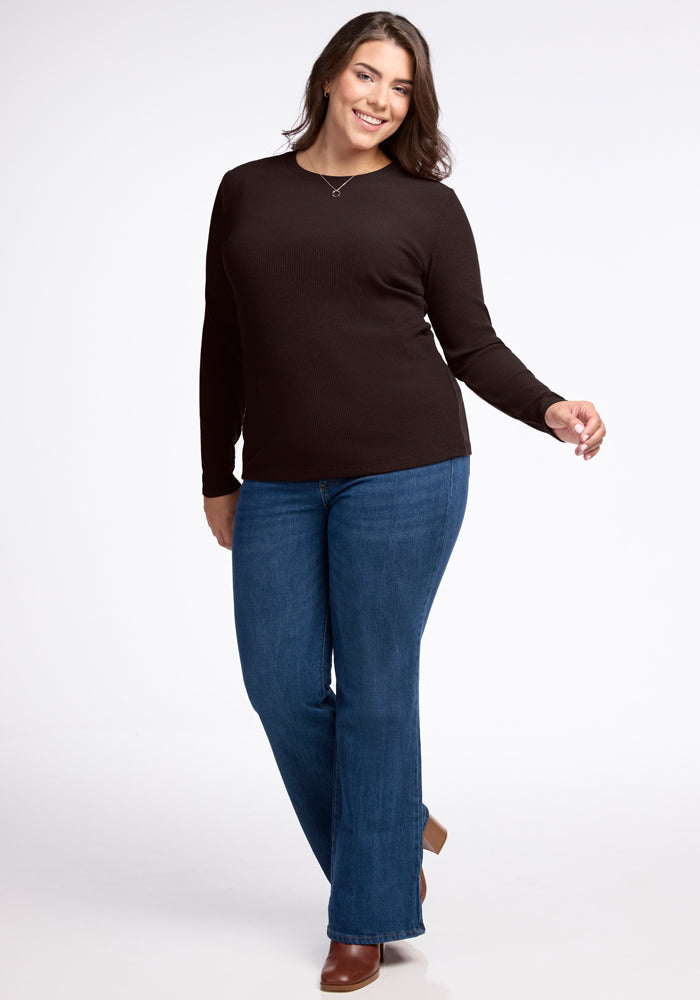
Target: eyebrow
377,73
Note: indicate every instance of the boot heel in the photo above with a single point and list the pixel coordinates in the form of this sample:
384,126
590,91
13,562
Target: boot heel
381,951
434,835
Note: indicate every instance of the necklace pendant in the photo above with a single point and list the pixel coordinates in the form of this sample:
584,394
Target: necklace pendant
335,193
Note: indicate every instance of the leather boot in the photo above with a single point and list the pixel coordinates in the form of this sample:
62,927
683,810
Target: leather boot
434,835
350,966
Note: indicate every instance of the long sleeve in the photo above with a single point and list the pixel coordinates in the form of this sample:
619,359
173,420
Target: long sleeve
221,384
461,322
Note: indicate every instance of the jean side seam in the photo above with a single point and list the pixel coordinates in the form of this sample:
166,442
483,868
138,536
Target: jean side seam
324,692
333,791
441,549
418,809
418,791
334,809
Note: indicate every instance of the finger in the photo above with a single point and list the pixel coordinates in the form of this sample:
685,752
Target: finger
594,443
592,426
590,446
226,537
591,454
218,535
586,410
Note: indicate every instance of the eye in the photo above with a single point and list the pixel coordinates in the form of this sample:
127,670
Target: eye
361,74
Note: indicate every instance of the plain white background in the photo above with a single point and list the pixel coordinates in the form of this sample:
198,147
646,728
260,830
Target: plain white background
147,845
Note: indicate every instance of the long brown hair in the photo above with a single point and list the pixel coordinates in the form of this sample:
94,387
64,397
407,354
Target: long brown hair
418,144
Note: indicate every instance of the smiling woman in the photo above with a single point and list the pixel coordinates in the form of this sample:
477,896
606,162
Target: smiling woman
356,455
364,101
376,65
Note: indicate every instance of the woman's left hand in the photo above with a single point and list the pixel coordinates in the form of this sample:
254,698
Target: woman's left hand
577,422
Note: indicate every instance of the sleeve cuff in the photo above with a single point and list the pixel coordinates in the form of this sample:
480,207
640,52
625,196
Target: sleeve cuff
220,488
554,397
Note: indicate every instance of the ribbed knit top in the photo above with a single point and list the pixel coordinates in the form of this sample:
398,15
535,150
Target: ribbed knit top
315,342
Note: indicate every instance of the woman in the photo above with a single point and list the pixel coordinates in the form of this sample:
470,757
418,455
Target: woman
322,263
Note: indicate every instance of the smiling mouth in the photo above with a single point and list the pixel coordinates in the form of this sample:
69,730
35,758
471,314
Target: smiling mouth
368,119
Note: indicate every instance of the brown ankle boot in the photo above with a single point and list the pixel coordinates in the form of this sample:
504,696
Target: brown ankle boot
350,966
434,835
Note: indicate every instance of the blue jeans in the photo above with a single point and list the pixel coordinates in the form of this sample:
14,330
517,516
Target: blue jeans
345,571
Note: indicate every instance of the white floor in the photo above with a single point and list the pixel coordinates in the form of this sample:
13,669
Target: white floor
149,865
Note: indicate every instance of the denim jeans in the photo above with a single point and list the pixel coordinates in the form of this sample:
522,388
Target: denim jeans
343,573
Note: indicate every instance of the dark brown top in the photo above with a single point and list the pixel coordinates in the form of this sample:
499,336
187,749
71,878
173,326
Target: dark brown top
315,342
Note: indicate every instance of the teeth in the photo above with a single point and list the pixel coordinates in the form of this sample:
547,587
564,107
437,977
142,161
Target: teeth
368,118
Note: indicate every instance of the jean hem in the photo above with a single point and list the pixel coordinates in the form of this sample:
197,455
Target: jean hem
375,938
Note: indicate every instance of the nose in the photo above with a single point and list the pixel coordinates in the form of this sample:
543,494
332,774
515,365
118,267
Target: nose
379,97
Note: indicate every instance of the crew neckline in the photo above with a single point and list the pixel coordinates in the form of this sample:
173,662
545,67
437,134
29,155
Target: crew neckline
336,177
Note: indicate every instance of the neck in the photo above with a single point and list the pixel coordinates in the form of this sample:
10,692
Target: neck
325,157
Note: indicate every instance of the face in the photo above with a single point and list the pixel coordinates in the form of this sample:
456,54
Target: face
368,101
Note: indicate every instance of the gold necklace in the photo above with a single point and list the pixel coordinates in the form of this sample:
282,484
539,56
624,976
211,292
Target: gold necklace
335,191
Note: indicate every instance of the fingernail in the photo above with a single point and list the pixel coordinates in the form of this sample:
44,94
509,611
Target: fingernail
578,428
585,437
583,447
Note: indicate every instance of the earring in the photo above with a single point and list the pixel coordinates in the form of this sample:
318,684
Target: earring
326,94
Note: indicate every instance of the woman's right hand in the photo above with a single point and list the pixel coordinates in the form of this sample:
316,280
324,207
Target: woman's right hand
220,512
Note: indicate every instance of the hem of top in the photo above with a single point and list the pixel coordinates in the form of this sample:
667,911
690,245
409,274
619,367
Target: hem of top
375,938
361,470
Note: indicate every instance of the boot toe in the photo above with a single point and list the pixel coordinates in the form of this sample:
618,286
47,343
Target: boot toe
350,967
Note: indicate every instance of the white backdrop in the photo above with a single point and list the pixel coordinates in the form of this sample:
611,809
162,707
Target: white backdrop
147,842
